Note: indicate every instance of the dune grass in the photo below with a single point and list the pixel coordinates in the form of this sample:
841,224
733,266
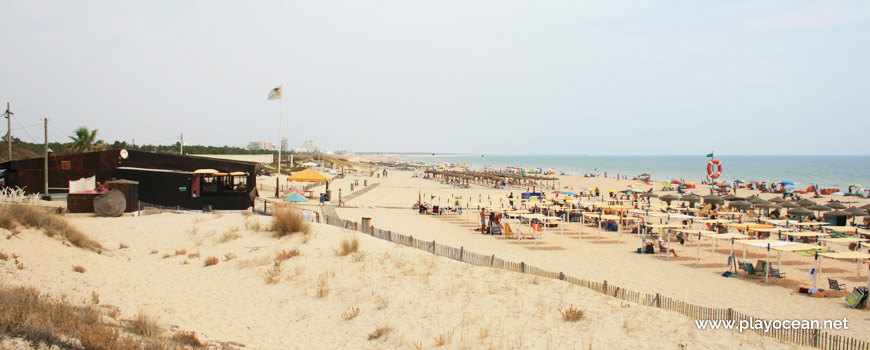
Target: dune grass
51,224
287,220
42,319
347,246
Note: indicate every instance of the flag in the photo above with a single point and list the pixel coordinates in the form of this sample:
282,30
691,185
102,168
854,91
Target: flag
709,155
275,94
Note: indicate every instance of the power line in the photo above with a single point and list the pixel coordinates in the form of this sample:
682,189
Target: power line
25,130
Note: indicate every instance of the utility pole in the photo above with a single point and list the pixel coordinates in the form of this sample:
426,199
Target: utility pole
181,145
9,129
46,196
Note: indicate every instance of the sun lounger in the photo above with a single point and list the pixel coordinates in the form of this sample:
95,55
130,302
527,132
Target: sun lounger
854,299
530,234
750,270
857,299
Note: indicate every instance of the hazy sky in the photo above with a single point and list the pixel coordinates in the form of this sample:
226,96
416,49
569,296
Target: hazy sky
495,77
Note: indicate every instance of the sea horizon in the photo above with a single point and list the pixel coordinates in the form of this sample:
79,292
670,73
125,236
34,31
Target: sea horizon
827,171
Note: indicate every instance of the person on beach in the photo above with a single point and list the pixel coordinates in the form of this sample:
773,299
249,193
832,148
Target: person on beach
322,199
340,200
511,199
483,220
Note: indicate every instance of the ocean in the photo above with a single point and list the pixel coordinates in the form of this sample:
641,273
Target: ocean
825,171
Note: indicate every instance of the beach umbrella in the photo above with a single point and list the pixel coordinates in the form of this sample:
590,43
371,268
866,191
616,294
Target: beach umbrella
835,205
691,198
740,204
766,204
648,195
296,198
675,182
556,192
777,200
799,211
789,188
787,204
805,202
713,199
669,197
865,207
732,197
856,211
569,193
838,214
786,182
756,200
752,197
819,208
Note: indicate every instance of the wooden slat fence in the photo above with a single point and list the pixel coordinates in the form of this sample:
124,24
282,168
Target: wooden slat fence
807,337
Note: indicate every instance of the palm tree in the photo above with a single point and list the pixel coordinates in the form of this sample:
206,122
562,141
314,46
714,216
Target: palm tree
86,140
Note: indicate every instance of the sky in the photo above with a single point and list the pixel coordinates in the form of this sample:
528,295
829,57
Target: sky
490,77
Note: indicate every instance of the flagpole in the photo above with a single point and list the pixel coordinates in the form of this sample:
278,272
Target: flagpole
280,135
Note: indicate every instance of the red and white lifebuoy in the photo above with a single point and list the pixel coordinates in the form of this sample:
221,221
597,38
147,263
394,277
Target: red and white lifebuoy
714,168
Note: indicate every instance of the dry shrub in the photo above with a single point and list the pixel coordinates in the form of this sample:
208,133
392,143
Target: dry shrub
188,339
167,256
380,332
180,252
229,256
212,260
273,274
4,256
287,254
193,255
253,224
154,252
95,298
51,224
381,301
443,338
359,256
145,325
347,246
41,319
19,265
322,285
571,314
287,220
351,313
124,246
79,269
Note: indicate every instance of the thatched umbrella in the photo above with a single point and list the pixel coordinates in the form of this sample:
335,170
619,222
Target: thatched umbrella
756,200
648,195
766,204
777,200
800,211
691,198
752,197
838,213
805,202
819,208
713,199
788,204
835,205
856,211
732,197
865,207
742,205
669,198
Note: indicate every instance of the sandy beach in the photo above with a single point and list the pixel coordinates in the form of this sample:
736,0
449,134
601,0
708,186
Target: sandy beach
154,264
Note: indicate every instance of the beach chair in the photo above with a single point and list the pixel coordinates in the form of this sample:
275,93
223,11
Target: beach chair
759,267
508,233
530,234
836,285
750,270
775,273
857,299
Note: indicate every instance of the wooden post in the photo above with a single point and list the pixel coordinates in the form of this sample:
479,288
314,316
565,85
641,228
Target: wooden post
461,253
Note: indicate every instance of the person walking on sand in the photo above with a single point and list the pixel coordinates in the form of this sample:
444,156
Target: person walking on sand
340,200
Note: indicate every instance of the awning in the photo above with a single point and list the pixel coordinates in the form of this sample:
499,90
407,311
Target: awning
308,175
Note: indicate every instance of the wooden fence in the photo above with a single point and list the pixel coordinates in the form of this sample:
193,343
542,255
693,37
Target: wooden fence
807,337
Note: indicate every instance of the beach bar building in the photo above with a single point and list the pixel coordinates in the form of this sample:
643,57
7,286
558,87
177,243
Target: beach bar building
164,180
